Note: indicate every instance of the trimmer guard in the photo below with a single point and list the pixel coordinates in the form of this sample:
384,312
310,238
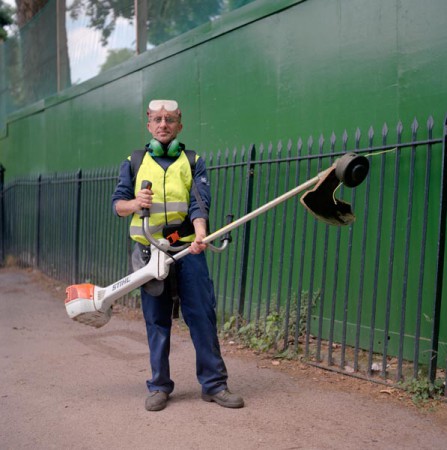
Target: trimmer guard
323,205
82,307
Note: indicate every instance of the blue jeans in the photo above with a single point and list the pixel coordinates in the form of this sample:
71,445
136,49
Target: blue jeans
198,304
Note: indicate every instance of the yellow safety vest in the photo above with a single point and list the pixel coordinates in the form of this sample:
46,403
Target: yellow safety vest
170,202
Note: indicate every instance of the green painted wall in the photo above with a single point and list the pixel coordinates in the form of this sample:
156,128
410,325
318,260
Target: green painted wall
268,71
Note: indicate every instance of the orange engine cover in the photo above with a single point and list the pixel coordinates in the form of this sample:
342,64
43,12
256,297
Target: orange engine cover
75,291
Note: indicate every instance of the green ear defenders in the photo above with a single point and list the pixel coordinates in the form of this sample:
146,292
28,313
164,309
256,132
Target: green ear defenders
158,149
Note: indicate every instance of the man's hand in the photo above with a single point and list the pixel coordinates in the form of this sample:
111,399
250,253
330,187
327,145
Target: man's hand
200,230
142,200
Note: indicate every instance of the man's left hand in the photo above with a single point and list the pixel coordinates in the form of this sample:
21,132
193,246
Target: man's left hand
200,230
197,247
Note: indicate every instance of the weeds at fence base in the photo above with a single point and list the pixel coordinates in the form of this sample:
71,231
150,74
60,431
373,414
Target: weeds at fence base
422,390
267,333
267,336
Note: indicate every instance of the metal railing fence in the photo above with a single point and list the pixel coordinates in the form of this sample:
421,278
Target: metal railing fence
366,299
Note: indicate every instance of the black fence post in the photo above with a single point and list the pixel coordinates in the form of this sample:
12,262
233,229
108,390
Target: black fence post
246,231
38,224
439,261
77,224
2,215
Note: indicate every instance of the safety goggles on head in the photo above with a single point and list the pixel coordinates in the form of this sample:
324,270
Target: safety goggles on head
168,105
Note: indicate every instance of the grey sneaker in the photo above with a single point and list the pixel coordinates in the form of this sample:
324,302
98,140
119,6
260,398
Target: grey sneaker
156,401
225,398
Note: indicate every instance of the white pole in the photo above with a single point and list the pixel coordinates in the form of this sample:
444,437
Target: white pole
261,210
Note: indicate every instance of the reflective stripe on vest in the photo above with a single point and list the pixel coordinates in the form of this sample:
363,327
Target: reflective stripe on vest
170,202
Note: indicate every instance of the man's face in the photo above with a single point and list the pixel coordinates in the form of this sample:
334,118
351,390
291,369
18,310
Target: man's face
164,125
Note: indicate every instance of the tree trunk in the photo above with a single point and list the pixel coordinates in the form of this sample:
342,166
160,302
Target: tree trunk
63,64
44,53
27,9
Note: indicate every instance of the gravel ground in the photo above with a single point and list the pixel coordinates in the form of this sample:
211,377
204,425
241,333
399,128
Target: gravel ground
66,385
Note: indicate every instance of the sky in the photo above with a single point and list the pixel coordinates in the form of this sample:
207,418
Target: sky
85,50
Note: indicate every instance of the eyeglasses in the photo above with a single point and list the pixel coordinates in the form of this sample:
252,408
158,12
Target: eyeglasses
168,120
168,105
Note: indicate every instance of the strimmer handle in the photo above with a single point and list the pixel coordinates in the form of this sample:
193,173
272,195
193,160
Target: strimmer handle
145,212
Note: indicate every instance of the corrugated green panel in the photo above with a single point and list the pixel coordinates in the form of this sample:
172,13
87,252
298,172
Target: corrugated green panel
58,152
26,144
123,117
97,129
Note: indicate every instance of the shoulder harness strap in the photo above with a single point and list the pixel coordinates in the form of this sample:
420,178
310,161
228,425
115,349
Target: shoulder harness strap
191,155
135,162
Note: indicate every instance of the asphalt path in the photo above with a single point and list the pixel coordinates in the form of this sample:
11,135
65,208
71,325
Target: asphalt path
64,385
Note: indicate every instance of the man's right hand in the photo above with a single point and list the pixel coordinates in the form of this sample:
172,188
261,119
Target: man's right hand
142,200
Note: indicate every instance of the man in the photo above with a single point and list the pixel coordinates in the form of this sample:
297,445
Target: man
173,199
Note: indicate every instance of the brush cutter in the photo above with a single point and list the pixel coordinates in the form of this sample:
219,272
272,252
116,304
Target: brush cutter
92,305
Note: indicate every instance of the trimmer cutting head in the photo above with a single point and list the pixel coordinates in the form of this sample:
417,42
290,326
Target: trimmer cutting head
351,169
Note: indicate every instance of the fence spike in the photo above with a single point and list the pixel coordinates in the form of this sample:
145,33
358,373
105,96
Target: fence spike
371,133
289,145
321,141
399,128
333,140
414,126
300,146
310,143
344,139
430,123
279,146
384,130
358,135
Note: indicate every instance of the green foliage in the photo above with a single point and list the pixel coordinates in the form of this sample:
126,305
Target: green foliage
265,334
165,20
422,389
261,339
115,57
6,19
102,14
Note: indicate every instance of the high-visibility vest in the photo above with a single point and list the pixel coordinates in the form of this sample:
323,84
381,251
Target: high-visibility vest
170,202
